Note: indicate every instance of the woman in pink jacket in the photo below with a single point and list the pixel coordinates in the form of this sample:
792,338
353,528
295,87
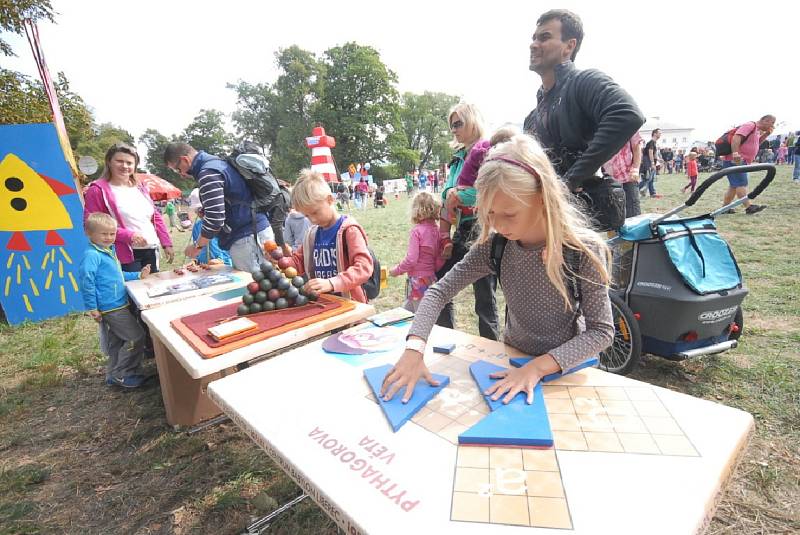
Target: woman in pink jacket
140,228
423,258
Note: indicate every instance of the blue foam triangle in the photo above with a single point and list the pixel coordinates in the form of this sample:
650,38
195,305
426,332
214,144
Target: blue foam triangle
519,362
395,410
480,371
515,424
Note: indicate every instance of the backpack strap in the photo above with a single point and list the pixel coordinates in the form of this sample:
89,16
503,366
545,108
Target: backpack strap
498,246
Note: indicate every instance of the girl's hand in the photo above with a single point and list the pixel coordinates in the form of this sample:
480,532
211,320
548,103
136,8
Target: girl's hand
169,252
321,286
145,272
513,382
393,272
406,373
522,379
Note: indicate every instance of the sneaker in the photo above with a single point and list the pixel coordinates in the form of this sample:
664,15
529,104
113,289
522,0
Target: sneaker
132,381
728,211
656,196
754,208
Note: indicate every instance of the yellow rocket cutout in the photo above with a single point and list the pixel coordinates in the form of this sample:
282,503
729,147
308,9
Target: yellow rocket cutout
29,201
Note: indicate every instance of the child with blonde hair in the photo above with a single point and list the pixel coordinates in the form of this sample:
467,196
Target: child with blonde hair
423,258
523,204
106,300
334,251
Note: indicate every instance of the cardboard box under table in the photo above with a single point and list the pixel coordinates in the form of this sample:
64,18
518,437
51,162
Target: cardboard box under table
628,457
184,371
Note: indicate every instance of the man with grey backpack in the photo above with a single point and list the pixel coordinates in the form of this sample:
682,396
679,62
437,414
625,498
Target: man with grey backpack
227,202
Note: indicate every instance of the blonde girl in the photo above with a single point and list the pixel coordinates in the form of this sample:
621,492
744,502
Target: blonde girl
423,257
521,198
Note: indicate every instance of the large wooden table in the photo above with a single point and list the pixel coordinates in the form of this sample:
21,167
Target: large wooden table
628,457
184,373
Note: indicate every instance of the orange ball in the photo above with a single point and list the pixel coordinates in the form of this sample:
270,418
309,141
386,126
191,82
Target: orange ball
270,245
290,272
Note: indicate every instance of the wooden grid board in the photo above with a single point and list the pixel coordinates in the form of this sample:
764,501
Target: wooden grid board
509,486
523,486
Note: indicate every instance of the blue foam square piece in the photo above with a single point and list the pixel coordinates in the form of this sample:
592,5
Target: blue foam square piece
395,410
444,348
519,362
515,424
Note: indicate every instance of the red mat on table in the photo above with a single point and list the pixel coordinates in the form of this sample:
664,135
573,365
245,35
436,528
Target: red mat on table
194,328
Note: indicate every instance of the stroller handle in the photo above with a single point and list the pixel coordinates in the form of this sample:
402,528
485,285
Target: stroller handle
769,168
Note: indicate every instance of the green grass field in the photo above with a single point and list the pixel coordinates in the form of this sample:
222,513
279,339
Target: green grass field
78,457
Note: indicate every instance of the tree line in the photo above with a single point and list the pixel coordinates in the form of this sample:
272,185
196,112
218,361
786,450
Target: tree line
347,89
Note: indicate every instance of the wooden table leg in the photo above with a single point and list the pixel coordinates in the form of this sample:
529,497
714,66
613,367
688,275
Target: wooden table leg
185,400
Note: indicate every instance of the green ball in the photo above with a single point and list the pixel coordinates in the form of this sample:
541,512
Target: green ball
266,306
247,299
267,268
255,308
300,300
257,275
265,285
292,293
281,303
298,282
284,284
312,296
260,297
275,275
243,310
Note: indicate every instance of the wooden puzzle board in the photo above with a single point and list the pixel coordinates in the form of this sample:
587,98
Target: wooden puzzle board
159,319
138,289
628,457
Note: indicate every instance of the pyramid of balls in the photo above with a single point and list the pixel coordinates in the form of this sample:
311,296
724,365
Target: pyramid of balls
276,285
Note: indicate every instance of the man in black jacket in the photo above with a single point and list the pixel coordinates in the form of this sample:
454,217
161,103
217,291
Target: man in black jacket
582,118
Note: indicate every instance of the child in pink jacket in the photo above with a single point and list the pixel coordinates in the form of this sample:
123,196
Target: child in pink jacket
423,257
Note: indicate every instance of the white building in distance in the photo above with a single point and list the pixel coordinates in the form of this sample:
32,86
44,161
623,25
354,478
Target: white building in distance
672,135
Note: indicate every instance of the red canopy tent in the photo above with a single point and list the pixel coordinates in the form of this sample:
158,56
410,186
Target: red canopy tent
159,189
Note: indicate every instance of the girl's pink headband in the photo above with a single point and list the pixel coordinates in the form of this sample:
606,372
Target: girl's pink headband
521,165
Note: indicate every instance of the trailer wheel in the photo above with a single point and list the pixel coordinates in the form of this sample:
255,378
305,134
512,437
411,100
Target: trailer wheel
626,349
738,320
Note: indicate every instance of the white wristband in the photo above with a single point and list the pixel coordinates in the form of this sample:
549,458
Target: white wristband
415,344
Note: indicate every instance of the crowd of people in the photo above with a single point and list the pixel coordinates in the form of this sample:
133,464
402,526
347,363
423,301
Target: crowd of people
577,169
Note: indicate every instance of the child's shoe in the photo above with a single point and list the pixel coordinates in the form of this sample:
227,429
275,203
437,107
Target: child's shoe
132,381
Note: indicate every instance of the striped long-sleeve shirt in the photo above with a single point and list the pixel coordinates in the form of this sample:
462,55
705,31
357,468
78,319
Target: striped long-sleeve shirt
212,197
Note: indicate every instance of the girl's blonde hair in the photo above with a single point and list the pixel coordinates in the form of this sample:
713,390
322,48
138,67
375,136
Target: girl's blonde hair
691,156
473,124
309,189
425,206
507,168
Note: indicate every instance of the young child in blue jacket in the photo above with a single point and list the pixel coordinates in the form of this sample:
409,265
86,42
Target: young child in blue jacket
104,295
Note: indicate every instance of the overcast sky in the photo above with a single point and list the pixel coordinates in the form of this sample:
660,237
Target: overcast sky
154,64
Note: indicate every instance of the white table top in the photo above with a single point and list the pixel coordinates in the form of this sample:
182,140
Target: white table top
335,442
138,289
159,318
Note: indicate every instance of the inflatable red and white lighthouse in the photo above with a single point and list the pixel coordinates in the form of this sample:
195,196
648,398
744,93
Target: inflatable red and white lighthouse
321,157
